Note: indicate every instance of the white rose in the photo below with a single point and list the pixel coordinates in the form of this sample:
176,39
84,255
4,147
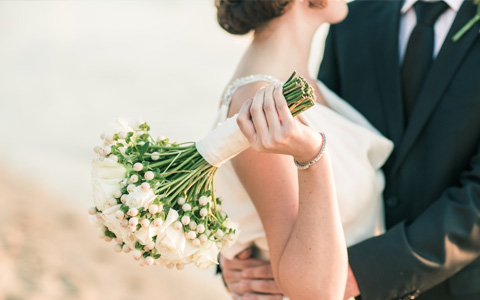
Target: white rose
140,198
103,190
114,225
145,234
171,245
230,239
206,255
105,168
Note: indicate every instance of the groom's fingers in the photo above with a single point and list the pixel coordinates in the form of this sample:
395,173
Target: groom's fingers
245,286
262,271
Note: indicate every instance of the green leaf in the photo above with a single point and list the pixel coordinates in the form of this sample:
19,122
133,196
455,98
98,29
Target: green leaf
138,246
142,149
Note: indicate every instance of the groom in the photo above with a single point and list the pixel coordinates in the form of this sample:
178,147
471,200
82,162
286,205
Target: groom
396,63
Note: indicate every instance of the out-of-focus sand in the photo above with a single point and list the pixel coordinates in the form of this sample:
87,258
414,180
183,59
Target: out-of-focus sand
48,250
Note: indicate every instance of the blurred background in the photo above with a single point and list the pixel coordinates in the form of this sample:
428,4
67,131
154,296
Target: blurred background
67,68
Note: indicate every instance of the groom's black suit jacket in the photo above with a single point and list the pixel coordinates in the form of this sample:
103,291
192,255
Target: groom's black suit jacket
432,194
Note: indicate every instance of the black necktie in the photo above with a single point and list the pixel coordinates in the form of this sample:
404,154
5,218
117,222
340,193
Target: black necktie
419,53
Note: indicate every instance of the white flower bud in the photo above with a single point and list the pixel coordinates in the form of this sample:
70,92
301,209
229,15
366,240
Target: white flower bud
132,228
186,207
119,214
92,210
149,246
149,261
112,202
177,225
203,238
133,221
122,150
203,212
106,150
126,249
130,188
160,207
124,223
203,200
170,266
160,138
117,194
192,225
191,235
153,209
119,240
109,138
137,254
134,178
185,220
123,199
118,248
155,156
180,267
132,212
101,233
97,149
201,228
142,262
138,167
108,239
145,223
196,242
149,175
102,136
113,157
181,201
145,186
122,135
219,233
157,222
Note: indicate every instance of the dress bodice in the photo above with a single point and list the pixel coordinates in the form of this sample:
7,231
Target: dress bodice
357,152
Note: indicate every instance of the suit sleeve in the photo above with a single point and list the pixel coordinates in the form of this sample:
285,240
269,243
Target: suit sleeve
329,73
413,257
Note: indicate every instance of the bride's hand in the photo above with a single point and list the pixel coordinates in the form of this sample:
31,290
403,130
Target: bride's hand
269,126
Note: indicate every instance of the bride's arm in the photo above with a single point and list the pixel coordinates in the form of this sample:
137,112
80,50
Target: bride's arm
298,209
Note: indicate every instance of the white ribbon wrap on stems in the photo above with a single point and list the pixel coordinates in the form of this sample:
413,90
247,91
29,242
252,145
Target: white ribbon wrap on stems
223,143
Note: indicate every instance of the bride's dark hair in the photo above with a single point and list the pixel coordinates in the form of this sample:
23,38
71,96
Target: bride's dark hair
241,16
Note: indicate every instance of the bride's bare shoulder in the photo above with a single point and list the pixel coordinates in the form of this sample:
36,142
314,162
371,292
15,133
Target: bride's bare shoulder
243,93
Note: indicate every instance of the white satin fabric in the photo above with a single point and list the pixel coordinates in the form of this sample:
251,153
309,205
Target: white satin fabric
357,152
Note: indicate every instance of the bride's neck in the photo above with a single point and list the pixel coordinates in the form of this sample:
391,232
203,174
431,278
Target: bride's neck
278,48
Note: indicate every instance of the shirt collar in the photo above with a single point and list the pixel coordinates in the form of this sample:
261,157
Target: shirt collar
453,4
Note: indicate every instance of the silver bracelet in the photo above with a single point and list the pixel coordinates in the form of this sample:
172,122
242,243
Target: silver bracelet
317,158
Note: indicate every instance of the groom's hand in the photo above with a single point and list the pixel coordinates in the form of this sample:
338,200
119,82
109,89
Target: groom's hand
351,289
249,278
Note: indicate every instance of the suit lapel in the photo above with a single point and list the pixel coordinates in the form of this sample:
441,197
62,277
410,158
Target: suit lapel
441,73
385,47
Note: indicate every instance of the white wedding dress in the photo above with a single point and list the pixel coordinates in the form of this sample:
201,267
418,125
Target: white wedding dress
357,152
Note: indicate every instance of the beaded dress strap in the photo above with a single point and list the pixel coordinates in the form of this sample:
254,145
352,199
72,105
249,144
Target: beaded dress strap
232,88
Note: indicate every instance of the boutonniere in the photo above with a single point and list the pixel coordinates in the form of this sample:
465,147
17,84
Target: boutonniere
469,24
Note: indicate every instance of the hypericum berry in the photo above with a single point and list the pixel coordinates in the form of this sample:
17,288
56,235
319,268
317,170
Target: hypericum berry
112,202
149,175
106,150
123,199
149,246
153,209
185,220
203,200
133,221
157,222
113,157
192,225
203,238
102,136
186,207
155,156
119,215
97,149
101,233
132,212
134,178
201,228
170,266
203,212
122,135
108,239
180,266
118,248
219,233
145,223
117,194
92,210
145,186
126,249
149,261
124,223
138,167
181,201
191,235
132,228
131,188
137,254
109,138
177,225
196,242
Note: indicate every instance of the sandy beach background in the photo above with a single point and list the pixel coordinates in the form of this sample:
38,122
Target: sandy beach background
66,69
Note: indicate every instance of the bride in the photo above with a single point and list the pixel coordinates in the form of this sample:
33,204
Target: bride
300,214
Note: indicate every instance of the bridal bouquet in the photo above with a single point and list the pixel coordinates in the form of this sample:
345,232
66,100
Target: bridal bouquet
156,198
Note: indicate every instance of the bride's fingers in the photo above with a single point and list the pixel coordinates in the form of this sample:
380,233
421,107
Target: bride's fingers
245,123
258,116
282,106
270,109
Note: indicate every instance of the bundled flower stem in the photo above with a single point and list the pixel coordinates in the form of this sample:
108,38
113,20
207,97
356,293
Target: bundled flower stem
158,198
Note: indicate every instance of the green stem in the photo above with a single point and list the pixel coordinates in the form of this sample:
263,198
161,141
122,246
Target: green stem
466,27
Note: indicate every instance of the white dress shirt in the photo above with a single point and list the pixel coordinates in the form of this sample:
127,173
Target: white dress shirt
408,20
